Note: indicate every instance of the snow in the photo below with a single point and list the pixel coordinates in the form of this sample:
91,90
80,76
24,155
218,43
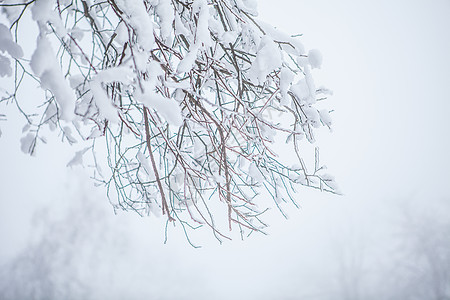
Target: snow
315,58
267,60
249,6
301,90
145,164
27,143
325,117
43,12
291,45
333,245
166,107
229,37
121,33
137,16
180,28
106,108
5,66
122,74
202,35
255,173
46,68
188,61
7,44
165,13
78,158
157,53
104,104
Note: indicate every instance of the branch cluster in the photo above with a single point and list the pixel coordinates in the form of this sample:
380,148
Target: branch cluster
183,93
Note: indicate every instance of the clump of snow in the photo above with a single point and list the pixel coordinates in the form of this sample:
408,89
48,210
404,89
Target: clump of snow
202,35
255,173
325,117
267,60
27,143
144,163
189,60
121,74
44,66
249,6
5,66
315,58
78,158
291,45
168,108
137,16
105,106
121,33
165,13
286,78
7,44
43,12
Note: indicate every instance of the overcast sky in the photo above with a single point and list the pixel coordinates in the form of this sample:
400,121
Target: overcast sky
388,64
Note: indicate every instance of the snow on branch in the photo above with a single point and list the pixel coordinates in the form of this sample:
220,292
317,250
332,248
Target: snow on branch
189,98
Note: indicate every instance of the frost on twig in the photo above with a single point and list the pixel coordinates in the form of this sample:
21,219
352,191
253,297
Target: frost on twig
181,94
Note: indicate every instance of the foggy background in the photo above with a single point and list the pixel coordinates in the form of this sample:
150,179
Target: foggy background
387,237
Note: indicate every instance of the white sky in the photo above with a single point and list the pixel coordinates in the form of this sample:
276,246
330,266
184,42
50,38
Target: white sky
388,64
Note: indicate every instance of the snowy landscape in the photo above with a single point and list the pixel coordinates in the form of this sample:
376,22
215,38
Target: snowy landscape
224,149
